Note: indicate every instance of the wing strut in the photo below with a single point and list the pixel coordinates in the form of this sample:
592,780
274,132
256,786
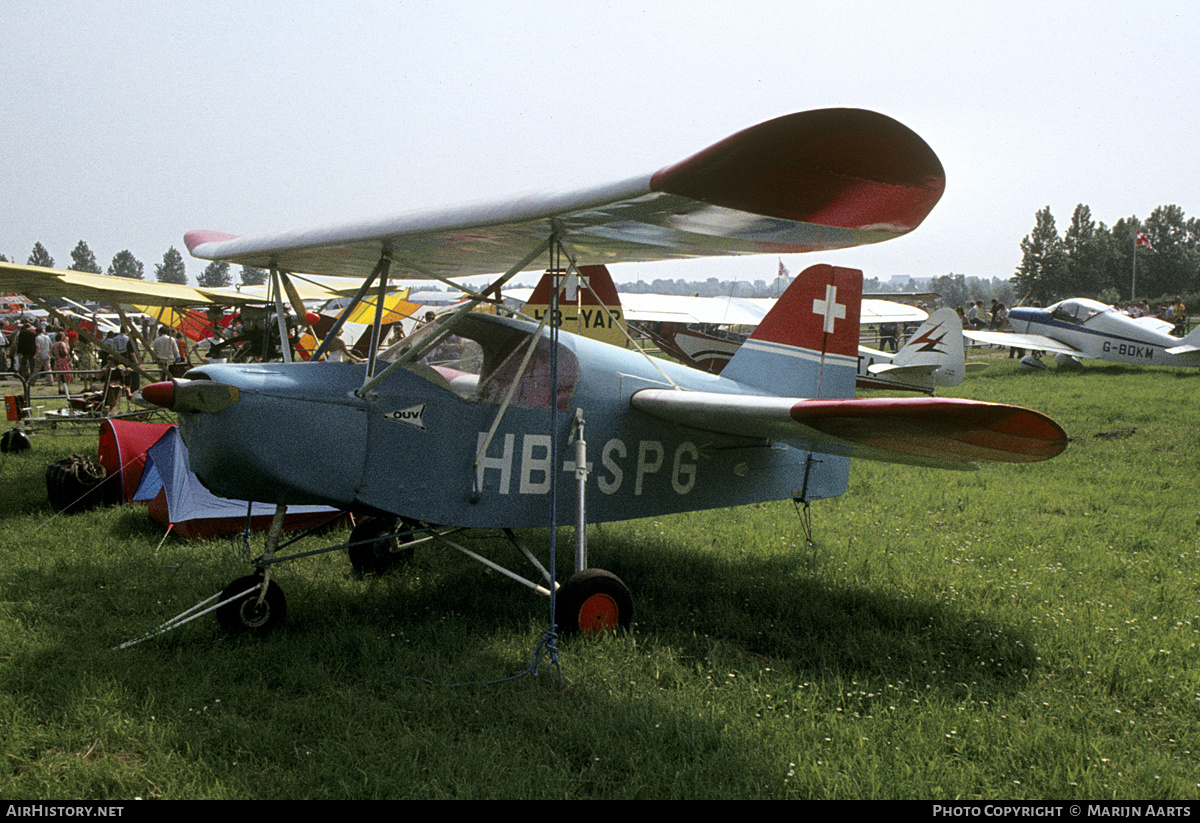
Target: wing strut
624,330
280,320
447,328
380,267
377,325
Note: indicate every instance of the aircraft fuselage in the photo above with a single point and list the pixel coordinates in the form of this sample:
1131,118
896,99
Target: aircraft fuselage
415,447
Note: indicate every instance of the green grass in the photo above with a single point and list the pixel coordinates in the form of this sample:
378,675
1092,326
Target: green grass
1016,632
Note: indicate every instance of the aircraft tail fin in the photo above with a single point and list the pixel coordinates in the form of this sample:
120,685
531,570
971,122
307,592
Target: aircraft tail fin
1186,351
583,297
807,345
934,354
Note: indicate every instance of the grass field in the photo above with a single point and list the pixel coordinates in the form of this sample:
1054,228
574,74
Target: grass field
1016,632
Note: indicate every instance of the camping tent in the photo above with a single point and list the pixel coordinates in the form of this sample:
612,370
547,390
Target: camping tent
177,499
122,453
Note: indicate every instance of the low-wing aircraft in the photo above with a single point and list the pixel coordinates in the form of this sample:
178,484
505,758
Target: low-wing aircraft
1079,327
485,447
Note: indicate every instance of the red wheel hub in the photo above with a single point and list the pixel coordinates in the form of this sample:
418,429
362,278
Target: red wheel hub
598,614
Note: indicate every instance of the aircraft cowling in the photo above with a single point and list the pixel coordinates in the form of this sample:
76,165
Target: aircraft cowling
286,440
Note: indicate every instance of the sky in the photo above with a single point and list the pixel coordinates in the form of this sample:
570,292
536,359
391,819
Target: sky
128,124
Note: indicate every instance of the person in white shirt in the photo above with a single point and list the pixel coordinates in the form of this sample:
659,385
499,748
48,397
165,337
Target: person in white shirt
41,357
166,351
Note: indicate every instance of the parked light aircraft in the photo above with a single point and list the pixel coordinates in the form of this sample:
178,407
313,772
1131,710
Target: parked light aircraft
484,447
1079,327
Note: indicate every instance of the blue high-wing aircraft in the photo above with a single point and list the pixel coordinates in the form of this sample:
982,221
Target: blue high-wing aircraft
1079,327
472,420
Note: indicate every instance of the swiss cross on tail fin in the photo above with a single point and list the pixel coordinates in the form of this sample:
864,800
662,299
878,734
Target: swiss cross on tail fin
583,297
807,345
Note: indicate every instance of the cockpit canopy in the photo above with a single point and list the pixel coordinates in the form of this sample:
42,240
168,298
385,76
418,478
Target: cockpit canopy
495,352
1078,310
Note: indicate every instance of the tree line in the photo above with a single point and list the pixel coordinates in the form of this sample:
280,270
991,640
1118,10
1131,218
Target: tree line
1156,259
216,275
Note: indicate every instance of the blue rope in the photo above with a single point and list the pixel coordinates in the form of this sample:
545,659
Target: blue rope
544,648
551,635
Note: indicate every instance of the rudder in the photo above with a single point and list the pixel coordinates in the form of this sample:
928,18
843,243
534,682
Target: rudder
937,348
583,298
807,345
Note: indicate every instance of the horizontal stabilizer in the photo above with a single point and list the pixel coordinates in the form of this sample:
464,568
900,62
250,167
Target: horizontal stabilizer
907,371
933,432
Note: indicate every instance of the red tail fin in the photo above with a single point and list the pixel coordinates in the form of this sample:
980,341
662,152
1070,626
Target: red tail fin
582,300
807,345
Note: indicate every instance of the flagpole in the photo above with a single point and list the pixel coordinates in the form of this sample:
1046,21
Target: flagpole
1133,281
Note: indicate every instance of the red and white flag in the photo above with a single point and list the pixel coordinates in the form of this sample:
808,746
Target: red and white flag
1144,241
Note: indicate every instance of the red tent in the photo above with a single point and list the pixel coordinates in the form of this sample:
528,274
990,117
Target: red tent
123,445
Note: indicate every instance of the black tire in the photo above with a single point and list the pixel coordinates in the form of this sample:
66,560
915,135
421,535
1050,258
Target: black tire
244,615
15,440
75,484
593,601
382,554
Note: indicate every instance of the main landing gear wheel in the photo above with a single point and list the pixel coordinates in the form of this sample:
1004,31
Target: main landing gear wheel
593,601
246,614
381,554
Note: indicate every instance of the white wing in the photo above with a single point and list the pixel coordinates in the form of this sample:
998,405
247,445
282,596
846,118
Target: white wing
816,180
1034,342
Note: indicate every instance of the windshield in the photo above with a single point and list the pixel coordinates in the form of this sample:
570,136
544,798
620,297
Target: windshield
1079,310
497,353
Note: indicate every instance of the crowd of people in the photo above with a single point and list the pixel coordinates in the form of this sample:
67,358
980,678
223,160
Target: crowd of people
1174,312
43,353
975,316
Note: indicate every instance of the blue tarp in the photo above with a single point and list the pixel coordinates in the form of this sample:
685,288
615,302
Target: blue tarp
187,500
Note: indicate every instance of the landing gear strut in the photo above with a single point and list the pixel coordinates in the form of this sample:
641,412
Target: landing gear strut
383,552
592,601
255,602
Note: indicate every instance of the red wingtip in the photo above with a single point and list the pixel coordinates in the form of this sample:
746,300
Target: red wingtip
198,237
160,394
848,168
